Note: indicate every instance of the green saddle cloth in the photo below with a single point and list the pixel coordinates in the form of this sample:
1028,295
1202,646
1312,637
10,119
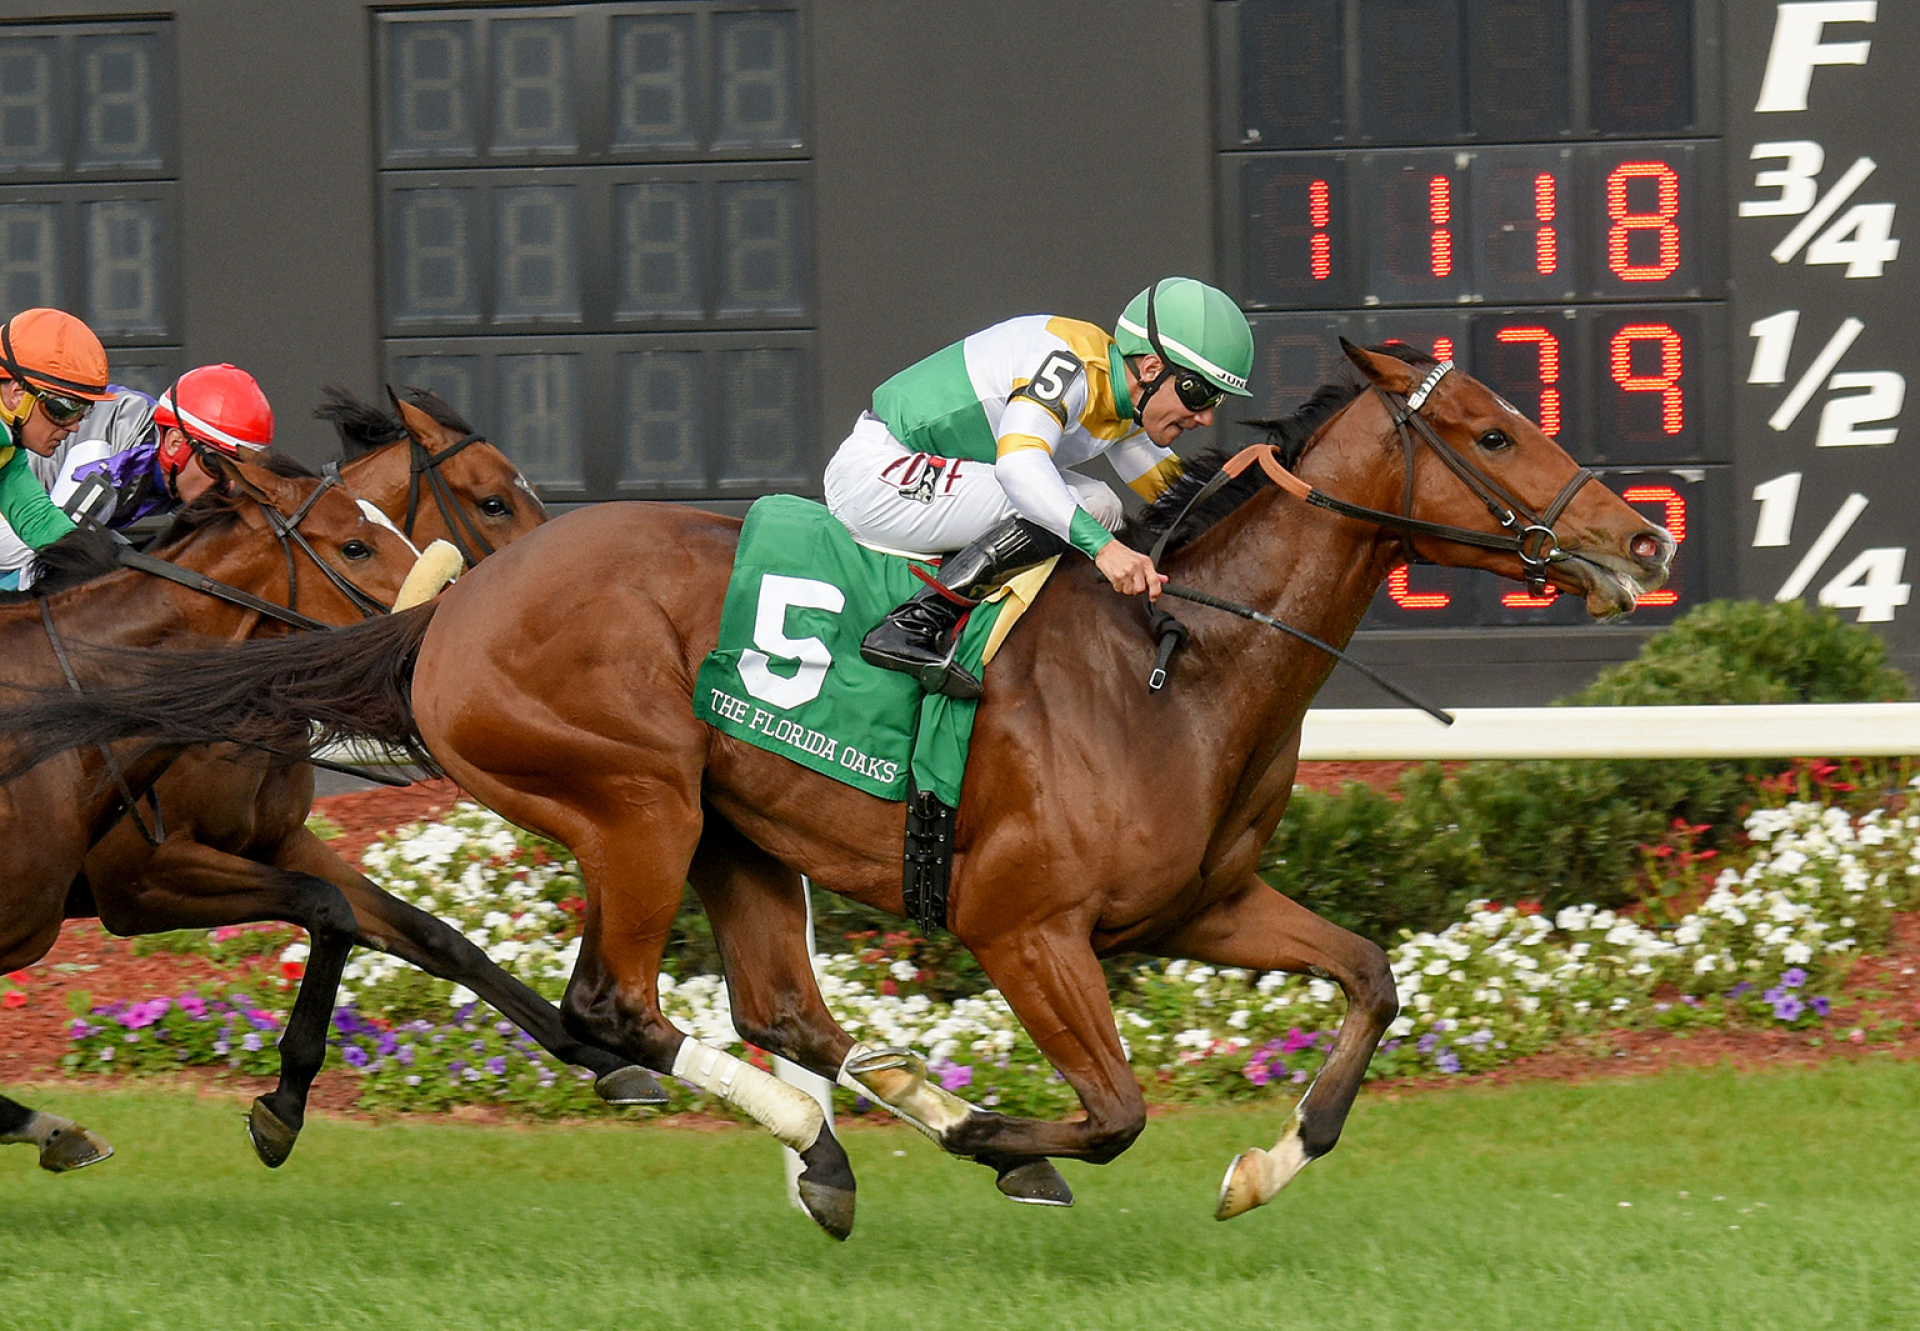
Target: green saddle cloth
787,674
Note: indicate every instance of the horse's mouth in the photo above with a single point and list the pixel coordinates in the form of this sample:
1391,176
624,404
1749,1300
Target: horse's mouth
1612,584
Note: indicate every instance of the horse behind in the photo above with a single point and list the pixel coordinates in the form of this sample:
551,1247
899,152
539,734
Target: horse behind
1097,816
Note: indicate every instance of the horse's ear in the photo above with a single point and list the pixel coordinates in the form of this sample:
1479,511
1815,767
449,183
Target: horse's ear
241,478
1389,372
426,431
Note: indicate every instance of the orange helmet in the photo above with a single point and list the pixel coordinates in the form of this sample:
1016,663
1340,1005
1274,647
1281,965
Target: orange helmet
219,406
50,351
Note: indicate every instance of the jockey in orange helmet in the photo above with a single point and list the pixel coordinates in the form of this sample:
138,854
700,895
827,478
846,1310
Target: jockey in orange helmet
52,370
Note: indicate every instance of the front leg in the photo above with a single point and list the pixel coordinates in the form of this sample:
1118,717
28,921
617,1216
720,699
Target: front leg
1258,929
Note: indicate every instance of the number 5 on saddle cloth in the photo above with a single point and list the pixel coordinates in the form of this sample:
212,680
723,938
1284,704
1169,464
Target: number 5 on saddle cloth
787,675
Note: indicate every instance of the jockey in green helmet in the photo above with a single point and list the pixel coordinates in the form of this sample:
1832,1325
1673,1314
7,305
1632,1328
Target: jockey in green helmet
968,453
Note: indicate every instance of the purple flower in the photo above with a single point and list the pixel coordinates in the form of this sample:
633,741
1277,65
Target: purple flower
404,1056
1447,1061
1740,990
1821,1007
504,1027
954,1076
347,1021
456,1067
386,1044
261,1020
252,1041
1794,978
354,1056
478,1046
1296,1040
1298,1077
194,1006
497,1065
141,1015
1259,1072
1788,1007
1427,1042
221,1047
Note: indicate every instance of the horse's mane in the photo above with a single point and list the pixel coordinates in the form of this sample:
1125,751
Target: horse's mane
1290,434
83,554
364,428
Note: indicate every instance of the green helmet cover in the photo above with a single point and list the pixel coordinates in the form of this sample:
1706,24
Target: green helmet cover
1199,327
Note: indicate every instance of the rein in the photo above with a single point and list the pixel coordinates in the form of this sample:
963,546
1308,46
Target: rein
158,832
1524,533
426,464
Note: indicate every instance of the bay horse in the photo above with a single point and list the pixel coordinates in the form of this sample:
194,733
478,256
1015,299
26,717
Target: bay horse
1097,816
236,819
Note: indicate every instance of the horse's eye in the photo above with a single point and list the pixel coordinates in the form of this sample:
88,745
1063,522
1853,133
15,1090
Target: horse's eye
357,550
1495,441
494,506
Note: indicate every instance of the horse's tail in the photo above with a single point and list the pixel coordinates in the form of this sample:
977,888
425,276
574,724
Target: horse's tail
350,683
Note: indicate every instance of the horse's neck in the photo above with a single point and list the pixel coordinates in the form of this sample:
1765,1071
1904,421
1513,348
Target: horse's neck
129,608
1310,569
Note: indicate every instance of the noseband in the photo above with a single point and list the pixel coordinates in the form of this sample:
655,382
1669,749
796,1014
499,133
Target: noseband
426,464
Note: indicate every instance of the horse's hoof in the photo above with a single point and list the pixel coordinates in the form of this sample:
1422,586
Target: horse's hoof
1035,1182
1241,1189
826,1186
630,1085
72,1147
273,1137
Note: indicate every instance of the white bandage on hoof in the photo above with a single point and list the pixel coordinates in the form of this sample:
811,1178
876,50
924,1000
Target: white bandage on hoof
788,1112
897,1078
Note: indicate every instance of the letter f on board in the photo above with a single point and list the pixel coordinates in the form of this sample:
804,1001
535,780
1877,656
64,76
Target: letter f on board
1797,48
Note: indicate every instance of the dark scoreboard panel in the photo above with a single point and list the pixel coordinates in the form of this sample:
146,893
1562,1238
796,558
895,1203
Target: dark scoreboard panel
1531,187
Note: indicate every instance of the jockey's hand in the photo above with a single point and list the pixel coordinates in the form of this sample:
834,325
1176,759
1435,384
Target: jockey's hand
1129,571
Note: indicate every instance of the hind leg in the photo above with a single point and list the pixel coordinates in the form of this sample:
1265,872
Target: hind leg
390,925
63,1144
759,914
189,885
1260,930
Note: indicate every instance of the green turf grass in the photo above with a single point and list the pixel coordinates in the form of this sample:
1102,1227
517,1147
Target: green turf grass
1788,1199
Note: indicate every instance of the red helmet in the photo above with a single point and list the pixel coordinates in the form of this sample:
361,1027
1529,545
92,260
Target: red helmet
219,406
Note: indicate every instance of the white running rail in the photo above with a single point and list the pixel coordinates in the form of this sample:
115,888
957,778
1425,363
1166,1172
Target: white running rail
1797,730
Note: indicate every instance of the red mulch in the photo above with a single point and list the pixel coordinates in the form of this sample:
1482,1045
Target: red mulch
1884,988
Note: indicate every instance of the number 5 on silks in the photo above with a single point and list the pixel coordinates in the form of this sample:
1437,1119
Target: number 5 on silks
778,595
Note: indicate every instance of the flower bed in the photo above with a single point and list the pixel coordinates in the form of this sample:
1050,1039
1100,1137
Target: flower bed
1768,946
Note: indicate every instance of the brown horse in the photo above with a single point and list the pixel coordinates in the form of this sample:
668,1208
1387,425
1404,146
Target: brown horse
50,818
236,819
1097,816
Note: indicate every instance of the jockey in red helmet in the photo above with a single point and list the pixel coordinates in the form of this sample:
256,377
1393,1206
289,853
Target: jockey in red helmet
132,457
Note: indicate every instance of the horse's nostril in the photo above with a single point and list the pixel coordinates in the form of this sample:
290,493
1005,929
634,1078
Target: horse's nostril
1646,547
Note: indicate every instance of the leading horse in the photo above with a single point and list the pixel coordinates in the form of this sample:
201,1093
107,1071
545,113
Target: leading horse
1097,816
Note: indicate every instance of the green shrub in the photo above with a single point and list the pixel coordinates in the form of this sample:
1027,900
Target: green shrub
1568,831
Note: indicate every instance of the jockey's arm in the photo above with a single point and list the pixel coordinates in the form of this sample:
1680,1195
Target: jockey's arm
83,488
35,518
1030,429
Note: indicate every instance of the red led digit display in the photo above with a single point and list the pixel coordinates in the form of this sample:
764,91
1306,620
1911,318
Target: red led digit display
1428,596
1643,375
1522,210
1523,357
1294,212
1416,204
1641,228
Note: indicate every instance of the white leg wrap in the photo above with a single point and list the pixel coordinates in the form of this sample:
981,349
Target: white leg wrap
897,1078
788,1112
38,1129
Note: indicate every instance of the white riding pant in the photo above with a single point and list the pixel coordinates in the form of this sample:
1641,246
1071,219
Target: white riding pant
902,502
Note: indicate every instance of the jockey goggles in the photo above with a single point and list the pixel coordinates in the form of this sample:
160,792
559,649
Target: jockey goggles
61,409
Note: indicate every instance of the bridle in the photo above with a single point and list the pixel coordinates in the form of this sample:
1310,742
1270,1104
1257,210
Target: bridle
427,464
1525,533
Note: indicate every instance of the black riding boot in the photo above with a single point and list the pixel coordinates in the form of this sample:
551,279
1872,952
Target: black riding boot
918,637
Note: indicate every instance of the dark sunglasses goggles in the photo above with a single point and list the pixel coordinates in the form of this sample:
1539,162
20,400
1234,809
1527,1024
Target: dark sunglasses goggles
61,409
